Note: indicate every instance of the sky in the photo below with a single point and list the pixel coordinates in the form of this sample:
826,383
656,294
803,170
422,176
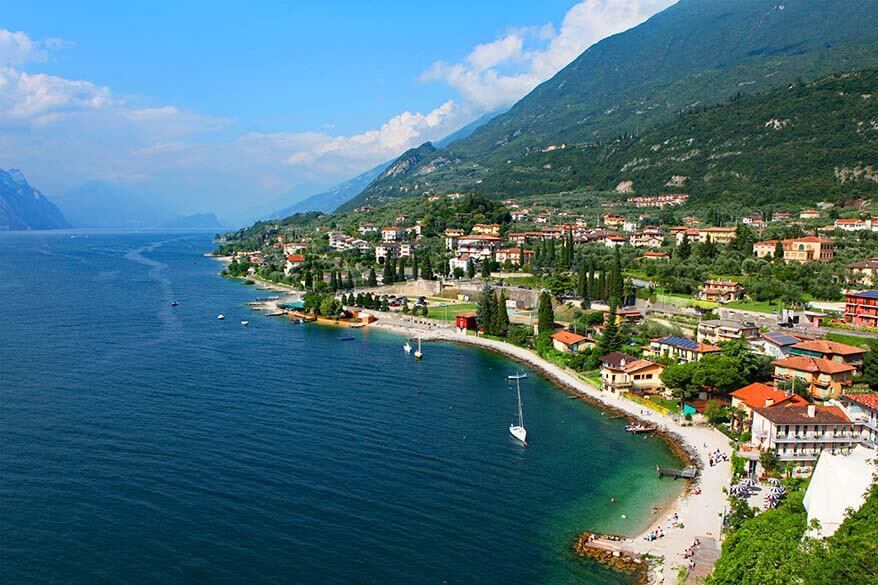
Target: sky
231,106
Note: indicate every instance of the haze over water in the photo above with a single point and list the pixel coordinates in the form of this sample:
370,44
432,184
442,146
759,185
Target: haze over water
144,443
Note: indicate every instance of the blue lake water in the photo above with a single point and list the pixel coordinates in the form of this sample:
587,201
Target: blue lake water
144,443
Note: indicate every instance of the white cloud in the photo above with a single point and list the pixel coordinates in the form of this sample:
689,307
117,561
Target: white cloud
499,73
17,48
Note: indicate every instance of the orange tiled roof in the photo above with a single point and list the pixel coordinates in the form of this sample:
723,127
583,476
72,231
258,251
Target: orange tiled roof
829,347
757,394
568,338
811,364
869,400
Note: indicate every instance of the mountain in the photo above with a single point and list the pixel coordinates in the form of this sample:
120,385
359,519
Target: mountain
694,54
467,130
195,221
331,199
104,205
24,208
796,144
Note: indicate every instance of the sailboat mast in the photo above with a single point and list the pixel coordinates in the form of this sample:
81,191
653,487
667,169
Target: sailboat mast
520,412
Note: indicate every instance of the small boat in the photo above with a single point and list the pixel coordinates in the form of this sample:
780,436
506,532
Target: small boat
245,323
638,428
517,376
518,431
220,317
346,338
419,354
407,347
174,303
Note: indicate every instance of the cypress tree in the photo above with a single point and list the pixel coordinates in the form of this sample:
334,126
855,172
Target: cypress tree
388,271
521,257
349,283
611,340
400,271
545,315
501,317
333,281
580,283
470,268
486,268
684,250
427,270
485,309
373,279
415,267
309,280
618,282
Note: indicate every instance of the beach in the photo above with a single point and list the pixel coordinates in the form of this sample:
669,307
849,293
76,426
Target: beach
700,514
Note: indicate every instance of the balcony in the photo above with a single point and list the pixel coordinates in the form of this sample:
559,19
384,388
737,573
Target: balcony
817,438
810,454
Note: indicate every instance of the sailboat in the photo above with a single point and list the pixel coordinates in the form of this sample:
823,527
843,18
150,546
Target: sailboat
518,431
520,376
408,346
418,353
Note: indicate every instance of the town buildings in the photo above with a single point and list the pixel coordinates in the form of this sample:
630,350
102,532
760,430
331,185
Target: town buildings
569,342
863,410
658,200
807,249
343,242
513,256
681,349
392,233
759,395
621,373
393,250
833,351
717,330
820,378
799,434
861,308
774,344
720,291
865,271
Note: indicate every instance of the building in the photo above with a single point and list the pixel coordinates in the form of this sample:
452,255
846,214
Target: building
717,330
865,271
839,485
863,410
833,351
717,235
861,308
755,220
646,240
614,221
809,214
655,256
759,395
466,322
524,237
343,242
569,342
478,247
852,225
614,241
681,349
386,250
774,344
821,378
799,434
807,249
367,229
391,233
621,373
658,200
452,235
490,229
781,216
513,255
720,291
293,262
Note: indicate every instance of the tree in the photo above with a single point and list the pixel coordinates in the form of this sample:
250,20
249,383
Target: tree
388,271
309,280
427,270
485,309
501,317
545,315
684,249
415,267
870,366
678,377
329,306
333,281
486,268
470,268
714,411
349,282
373,279
612,339
400,270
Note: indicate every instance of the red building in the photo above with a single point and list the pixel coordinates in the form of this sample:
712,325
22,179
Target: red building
861,308
466,322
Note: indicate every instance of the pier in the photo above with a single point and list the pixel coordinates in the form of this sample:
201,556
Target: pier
688,473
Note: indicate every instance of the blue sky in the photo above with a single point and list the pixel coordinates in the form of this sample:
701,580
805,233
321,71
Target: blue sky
225,106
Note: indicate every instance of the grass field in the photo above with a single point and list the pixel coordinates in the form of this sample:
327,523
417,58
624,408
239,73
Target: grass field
452,311
756,307
848,339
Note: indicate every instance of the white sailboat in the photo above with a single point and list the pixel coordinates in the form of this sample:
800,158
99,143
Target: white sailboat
220,317
518,431
408,346
418,353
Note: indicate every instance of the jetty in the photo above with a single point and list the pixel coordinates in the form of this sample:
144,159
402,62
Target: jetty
688,473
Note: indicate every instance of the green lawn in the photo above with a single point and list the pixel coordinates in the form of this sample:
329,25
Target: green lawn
668,403
848,339
755,306
452,311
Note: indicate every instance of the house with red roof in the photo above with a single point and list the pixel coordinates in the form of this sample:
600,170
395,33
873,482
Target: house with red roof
823,379
759,395
682,349
569,342
293,262
799,434
861,308
834,351
622,373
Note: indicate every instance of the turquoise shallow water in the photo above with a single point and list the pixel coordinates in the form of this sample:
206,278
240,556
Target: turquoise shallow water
141,443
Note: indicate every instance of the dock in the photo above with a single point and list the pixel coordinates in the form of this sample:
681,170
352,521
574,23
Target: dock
688,473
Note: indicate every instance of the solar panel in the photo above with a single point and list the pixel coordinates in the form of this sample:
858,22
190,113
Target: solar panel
781,338
680,342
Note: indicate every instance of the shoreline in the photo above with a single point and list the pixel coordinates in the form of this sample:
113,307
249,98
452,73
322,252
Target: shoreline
700,514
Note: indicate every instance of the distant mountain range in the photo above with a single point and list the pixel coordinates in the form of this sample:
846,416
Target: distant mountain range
694,54
24,208
337,196
195,221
